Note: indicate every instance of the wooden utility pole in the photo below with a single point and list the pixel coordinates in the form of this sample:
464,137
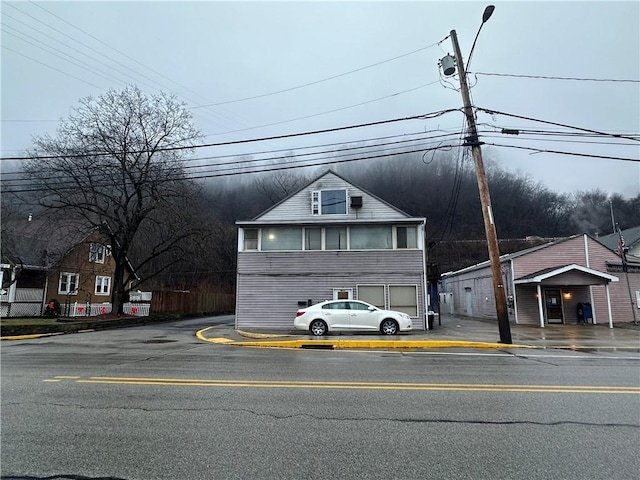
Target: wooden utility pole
485,200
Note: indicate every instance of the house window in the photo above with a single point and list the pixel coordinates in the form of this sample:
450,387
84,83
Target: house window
96,253
282,238
370,238
68,284
373,294
335,238
251,239
103,285
404,298
329,202
406,237
313,239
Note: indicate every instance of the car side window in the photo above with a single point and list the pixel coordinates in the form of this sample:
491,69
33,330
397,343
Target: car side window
358,306
336,306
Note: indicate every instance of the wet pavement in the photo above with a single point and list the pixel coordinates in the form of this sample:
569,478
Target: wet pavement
449,331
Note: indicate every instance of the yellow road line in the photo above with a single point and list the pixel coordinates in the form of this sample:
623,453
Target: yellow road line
356,385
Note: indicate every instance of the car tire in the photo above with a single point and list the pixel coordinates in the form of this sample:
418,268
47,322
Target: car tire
389,327
318,328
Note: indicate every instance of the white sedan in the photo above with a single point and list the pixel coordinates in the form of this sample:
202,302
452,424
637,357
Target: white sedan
350,315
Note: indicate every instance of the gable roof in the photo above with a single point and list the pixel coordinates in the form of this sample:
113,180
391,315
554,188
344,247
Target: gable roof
509,256
631,238
544,274
329,173
38,242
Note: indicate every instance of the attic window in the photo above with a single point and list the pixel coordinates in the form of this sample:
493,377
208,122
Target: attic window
329,202
96,253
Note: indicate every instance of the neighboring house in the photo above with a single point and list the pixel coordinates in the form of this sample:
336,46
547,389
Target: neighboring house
567,281
631,237
41,265
329,240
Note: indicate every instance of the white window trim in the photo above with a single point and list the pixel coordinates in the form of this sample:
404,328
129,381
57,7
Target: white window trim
97,253
68,276
390,307
101,284
243,240
385,296
349,291
316,202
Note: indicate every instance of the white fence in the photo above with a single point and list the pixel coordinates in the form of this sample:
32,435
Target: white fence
96,309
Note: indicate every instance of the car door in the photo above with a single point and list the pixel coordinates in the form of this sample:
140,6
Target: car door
336,314
361,318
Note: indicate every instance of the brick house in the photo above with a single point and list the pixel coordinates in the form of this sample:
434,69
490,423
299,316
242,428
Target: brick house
39,266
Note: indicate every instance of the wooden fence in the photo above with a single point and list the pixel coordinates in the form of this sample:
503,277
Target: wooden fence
192,303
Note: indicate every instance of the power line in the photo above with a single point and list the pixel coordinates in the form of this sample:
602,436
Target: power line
543,77
325,112
53,68
495,112
235,171
100,54
297,87
238,142
540,150
233,164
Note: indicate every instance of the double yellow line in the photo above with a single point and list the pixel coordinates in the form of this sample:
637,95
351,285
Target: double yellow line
463,387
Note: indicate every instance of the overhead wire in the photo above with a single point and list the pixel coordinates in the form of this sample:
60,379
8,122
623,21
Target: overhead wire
297,87
242,141
545,77
522,117
323,113
349,151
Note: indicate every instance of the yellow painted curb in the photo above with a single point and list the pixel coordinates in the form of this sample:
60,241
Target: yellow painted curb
342,344
28,337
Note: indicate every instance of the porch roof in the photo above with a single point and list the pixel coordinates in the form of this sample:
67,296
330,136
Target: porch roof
594,277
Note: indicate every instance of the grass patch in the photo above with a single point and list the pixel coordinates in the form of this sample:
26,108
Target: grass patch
28,321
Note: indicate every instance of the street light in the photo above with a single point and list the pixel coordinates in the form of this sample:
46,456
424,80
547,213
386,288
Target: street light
485,16
472,141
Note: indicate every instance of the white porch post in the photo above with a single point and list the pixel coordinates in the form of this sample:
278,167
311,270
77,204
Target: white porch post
606,286
540,306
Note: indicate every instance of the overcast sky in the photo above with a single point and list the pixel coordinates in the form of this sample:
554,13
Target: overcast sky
323,65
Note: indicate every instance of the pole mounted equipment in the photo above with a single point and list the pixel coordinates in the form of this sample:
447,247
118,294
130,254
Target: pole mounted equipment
483,186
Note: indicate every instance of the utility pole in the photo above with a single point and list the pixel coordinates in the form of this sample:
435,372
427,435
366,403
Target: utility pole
485,200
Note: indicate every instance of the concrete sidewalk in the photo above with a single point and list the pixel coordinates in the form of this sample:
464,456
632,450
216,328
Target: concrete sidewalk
449,331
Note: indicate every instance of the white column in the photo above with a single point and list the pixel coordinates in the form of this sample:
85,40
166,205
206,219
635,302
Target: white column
540,311
609,305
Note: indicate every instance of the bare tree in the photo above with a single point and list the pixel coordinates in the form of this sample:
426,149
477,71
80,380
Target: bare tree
116,164
279,184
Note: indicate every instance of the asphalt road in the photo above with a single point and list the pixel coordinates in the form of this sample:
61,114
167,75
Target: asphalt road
156,403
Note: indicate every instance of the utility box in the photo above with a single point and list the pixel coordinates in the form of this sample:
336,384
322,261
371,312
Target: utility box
140,296
585,313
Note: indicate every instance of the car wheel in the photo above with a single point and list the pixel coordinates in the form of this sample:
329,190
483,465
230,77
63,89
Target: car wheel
389,327
318,328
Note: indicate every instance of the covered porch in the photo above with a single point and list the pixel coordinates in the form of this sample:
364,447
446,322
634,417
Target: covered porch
561,295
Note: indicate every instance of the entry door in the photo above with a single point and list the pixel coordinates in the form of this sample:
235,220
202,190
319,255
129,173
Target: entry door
468,301
342,293
553,305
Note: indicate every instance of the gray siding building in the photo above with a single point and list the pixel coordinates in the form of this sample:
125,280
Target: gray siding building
329,240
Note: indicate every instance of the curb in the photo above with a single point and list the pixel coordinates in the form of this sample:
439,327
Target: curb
31,336
356,344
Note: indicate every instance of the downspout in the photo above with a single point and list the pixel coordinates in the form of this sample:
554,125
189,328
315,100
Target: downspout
513,290
425,283
44,294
